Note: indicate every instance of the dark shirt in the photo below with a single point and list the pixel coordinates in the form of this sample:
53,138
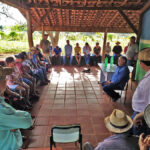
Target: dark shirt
97,50
117,49
120,76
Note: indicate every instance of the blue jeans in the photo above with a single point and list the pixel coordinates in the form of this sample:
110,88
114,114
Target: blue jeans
110,90
65,60
87,59
44,72
40,74
129,62
27,81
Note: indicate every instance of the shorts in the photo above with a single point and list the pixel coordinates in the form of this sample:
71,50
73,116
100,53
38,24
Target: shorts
13,87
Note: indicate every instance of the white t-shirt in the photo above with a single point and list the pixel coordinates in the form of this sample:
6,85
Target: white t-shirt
131,51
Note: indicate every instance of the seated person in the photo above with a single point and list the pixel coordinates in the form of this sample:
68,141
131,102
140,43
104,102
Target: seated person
77,51
36,63
117,49
96,55
14,81
57,56
87,51
68,53
144,140
141,96
27,78
11,121
118,80
118,123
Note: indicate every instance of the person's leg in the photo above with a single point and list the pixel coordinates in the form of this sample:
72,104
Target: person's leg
41,75
79,59
64,60
70,60
109,89
76,57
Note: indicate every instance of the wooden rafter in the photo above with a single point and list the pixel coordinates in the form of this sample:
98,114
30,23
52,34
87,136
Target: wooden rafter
147,6
128,21
16,3
112,19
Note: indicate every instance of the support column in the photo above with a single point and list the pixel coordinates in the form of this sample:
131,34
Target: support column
104,45
29,28
42,31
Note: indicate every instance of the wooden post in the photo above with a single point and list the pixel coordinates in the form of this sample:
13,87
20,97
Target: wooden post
42,31
140,28
104,45
29,26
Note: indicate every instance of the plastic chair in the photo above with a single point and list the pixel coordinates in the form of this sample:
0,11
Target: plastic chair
66,134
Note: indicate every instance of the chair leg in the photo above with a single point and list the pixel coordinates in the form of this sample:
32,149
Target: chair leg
125,97
51,143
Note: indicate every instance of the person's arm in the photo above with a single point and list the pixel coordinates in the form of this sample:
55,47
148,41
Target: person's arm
124,72
138,119
14,119
144,144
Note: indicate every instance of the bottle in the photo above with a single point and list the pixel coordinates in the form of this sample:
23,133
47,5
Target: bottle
111,62
106,63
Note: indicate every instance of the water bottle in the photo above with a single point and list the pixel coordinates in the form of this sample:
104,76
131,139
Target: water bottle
111,62
106,63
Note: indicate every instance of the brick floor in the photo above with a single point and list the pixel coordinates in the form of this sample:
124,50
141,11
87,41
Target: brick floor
73,97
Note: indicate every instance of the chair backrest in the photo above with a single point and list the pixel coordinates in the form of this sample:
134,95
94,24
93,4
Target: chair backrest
66,134
130,68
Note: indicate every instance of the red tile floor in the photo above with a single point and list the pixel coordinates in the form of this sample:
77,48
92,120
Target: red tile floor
73,97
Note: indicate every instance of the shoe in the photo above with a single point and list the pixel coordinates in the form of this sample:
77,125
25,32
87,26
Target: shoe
43,83
88,71
116,98
48,81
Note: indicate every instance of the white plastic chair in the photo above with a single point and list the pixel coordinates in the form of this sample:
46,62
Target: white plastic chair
66,134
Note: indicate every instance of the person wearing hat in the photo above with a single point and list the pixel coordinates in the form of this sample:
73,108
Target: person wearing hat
119,123
45,46
117,49
11,120
141,96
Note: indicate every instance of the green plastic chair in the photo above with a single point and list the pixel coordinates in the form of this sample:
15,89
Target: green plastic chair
66,134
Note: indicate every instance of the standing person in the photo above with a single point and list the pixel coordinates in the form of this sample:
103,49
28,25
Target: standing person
68,53
86,51
117,49
96,55
107,50
45,46
132,51
77,50
141,97
11,120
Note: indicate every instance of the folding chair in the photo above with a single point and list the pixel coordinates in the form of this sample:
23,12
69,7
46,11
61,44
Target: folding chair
66,134
130,69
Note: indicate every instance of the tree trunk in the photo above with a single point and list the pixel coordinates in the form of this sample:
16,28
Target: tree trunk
54,36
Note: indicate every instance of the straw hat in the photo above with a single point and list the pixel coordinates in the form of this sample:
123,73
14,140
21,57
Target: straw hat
5,71
117,42
144,54
146,115
118,122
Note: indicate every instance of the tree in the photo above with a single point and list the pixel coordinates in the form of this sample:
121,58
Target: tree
54,36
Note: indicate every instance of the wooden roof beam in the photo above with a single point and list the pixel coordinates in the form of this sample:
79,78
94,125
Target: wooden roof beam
45,6
112,19
146,7
84,29
128,21
16,3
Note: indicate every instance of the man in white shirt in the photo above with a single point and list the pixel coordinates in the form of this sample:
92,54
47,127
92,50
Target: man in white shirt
132,51
141,97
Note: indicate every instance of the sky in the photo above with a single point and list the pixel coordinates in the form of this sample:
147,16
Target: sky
5,21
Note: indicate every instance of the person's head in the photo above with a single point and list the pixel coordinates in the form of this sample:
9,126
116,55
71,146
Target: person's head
33,50
68,42
97,44
86,44
24,54
3,72
77,44
118,122
117,43
132,39
122,61
108,43
37,46
10,62
45,36
19,58
144,58
30,55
